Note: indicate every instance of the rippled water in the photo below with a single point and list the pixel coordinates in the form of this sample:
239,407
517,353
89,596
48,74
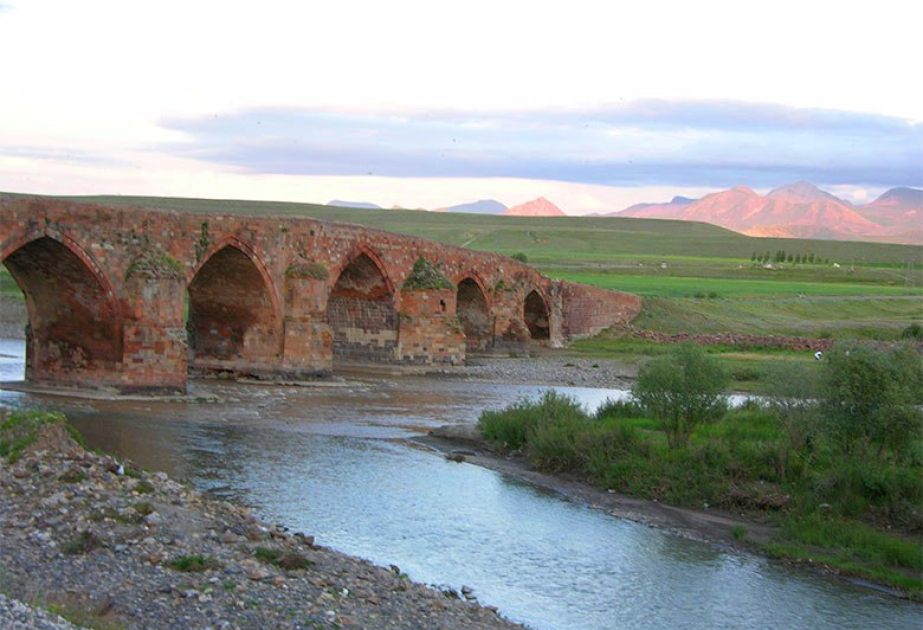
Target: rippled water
325,461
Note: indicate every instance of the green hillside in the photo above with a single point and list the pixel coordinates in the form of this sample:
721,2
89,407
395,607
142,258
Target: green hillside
556,240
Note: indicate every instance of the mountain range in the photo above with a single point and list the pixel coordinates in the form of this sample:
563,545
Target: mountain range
799,210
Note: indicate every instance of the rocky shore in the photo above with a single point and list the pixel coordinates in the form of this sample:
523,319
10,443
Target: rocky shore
550,368
123,548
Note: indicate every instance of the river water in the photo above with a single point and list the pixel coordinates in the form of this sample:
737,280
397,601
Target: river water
329,461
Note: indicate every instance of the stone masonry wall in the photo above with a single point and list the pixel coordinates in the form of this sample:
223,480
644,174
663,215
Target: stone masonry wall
142,262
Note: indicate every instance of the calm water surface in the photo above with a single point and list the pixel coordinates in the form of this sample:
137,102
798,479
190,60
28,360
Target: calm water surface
329,462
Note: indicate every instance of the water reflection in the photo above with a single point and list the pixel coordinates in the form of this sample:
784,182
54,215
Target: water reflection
315,460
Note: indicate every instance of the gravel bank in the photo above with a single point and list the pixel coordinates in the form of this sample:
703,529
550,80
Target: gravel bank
141,551
14,615
549,369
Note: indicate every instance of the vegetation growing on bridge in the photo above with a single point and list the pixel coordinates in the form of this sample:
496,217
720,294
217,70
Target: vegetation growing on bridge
426,277
315,270
835,460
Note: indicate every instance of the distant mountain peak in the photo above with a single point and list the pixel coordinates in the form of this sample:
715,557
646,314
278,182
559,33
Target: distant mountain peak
481,206
354,204
681,201
802,192
539,207
900,196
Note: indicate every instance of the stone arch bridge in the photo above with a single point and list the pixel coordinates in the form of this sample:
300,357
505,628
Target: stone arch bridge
134,299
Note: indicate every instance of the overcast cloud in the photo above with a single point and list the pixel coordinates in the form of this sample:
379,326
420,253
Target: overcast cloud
649,142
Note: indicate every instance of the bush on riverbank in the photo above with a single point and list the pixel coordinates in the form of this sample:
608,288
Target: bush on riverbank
791,460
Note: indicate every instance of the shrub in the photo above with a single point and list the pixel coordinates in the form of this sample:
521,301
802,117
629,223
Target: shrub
619,409
426,276
871,399
520,256
681,390
793,391
913,331
511,426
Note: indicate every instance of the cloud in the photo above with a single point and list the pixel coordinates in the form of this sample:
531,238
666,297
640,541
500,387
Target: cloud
71,155
647,142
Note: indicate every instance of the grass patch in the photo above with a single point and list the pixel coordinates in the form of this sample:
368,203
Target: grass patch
288,560
193,563
20,429
85,542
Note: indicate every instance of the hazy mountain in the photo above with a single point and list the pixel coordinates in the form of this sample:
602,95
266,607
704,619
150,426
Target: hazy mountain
354,204
484,206
540,207
899,212
799,210
674,205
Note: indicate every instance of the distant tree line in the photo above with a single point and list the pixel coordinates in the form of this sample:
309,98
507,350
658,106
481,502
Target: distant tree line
781,256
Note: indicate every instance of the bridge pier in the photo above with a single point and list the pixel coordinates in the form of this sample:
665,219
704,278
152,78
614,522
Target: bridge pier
430,332
155,350
307,339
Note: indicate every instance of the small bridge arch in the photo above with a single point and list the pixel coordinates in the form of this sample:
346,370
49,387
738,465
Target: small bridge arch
75,330
473,309
362,311
537,315
234,319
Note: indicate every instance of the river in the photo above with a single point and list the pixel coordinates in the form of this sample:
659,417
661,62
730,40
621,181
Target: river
331,461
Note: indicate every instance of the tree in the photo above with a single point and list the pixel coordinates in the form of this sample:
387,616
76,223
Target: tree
871,399
681,390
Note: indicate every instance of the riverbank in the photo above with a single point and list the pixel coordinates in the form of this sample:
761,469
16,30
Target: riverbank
737,531
117,547
464,443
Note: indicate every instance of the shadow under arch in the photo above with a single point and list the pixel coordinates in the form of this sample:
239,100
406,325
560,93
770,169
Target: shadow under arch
75,331
234,320
472,307
361,311
537,316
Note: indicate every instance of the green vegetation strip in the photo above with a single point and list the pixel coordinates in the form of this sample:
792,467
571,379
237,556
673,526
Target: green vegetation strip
834,458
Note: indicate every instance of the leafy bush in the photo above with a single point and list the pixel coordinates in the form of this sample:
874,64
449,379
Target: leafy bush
913,331
511,426
682,390
619,409
520,256
871,399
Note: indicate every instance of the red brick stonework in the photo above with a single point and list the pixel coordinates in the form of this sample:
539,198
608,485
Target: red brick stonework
133,299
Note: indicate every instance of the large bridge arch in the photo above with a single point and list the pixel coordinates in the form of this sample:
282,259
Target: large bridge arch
536,314
75,332
234,319
361,310
473,309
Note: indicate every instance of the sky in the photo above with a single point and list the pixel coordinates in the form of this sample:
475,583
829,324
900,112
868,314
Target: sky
593,105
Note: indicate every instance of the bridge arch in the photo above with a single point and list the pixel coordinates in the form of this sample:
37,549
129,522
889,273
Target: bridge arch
234,320
361,310
75,331
537,316
473,309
